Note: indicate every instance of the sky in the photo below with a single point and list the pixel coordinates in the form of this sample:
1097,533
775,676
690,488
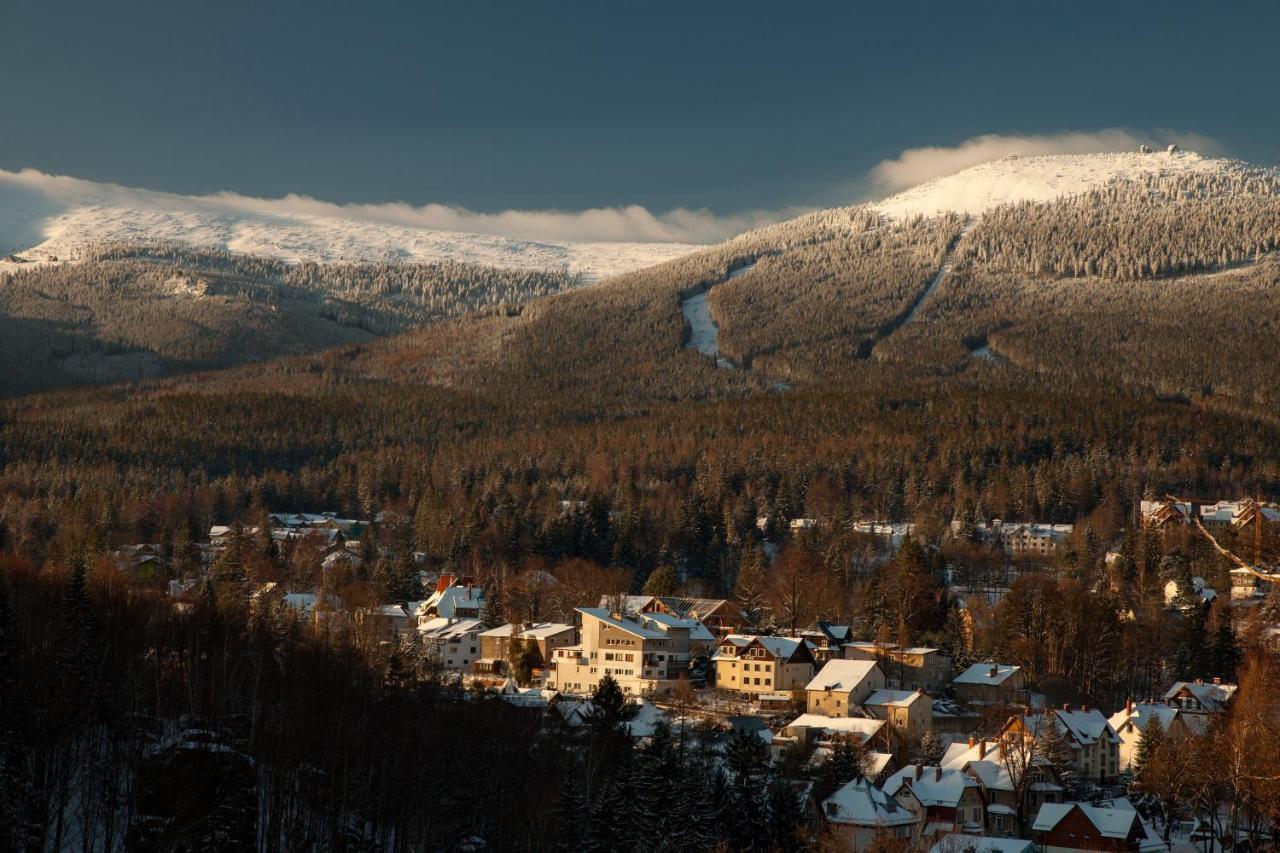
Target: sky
741,111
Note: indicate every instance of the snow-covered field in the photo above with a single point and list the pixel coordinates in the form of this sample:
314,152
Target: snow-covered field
46,216
1042,178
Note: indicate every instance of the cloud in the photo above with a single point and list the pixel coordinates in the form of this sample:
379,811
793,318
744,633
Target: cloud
627,223
630,223
918,165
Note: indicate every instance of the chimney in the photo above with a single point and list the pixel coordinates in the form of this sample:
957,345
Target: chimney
972,741
1128,707
994,671
1217,680
1084,708
982,749
1199,681
937,774
1066,706
919,771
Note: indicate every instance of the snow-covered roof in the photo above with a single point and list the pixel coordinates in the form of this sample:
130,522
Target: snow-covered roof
843,676
444,628
861,803
862,726
536,631
646,719
1212,697
1136,720
1084,727
452,599
896,698
1110,822
666,621
991,674
934,786
628,625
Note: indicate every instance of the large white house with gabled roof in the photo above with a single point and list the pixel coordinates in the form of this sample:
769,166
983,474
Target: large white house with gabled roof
841,686
640,658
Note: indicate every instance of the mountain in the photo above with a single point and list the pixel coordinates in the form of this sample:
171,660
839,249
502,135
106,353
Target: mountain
1015,179
1150,272
50,216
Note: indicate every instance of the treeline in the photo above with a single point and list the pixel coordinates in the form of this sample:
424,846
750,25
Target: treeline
129,724
1153,226
130,312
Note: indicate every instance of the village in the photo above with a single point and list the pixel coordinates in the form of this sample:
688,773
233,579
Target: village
939,751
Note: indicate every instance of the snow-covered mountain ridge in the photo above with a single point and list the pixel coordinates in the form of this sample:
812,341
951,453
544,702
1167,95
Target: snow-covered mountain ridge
46,216
977,189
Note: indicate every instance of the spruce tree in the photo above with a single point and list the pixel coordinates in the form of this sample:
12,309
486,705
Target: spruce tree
570,814
1052,745
1149,741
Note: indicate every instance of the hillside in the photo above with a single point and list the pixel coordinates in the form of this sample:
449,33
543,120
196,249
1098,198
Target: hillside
44,217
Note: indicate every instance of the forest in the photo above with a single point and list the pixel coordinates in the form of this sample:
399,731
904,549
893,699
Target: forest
562,446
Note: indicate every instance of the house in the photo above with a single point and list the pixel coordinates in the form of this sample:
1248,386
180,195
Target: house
755,665
454,598
841,686
641,659
1199,697
1165,513
699,637
908,711
875,735
1024,539
990,684
452,643
1196,587
1071,827
828,640
944,801
383,622
911,668
862,816
495,643
1130,721
1095,746
720,615
987,762
1246,586
1237,514
533,698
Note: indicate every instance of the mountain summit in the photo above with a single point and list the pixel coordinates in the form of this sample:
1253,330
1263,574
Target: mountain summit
1013,179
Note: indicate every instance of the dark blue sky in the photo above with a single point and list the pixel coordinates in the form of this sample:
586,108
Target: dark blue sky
567,104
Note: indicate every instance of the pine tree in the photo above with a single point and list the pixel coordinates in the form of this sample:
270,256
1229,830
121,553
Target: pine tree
746,756
1225,653
492,607
662,581
570,814
931,749
1149,740
1051,744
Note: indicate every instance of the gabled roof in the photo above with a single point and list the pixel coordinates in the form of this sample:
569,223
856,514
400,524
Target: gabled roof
627,625
861,803
1080,726
451,599
1110,822
896,698
443,628
863,727
1212,697
536,631
991,674
932,788
666,621
1141,715
842,676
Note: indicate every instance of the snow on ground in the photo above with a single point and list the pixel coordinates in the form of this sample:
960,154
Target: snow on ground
45,216
1043,178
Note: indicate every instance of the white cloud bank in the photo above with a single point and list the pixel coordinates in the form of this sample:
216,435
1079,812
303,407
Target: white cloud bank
918,165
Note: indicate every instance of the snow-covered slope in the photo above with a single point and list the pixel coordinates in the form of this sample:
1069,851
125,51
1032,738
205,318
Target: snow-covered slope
1042,178
46,216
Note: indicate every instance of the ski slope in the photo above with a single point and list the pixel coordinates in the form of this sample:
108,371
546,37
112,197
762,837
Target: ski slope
46,217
